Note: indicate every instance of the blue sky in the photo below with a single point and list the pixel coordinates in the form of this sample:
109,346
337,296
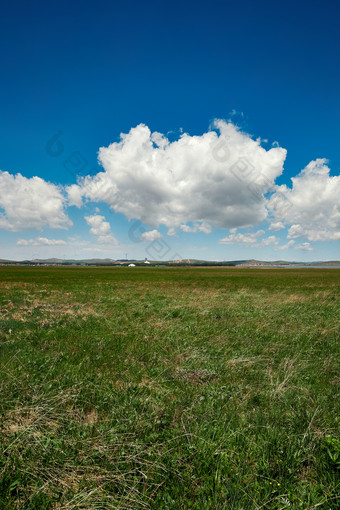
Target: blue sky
85,72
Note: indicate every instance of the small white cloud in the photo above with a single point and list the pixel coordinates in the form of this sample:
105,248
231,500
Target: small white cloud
286,246
268,241
295,231
101,229
74,195
171,232
186,228
304,247
203,227
40,241
276,226
234,113
197,227
151,235
235,238
30,204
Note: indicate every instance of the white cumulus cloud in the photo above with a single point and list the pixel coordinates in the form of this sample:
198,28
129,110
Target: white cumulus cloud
235,238
74,195
286,246
41,241
197,227
30,203
216,179
278,225
101,229
268,241
151,235
312,206
171,232
304,246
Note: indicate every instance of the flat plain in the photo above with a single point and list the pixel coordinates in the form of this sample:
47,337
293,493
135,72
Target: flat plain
161,388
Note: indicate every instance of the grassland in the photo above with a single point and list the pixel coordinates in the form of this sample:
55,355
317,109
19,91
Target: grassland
169,388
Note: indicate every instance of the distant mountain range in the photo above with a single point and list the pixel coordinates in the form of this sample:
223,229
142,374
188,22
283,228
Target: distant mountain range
184,262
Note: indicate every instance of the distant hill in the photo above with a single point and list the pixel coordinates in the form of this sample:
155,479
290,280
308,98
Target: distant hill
48,261
171,263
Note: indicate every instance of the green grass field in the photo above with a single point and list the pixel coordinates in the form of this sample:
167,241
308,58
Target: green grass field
168,388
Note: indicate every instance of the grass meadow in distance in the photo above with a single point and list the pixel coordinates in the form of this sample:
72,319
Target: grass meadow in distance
169,388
